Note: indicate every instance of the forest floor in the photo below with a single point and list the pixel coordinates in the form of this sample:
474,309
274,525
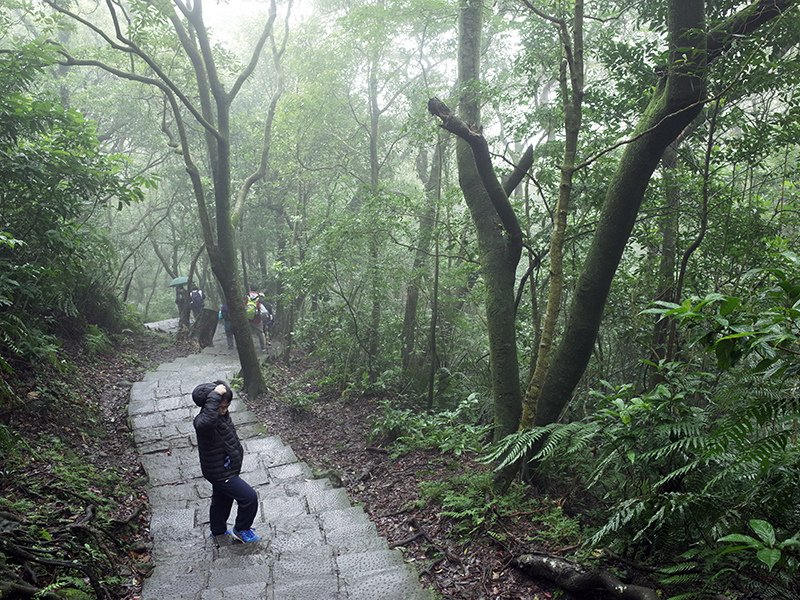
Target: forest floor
329,434
71,485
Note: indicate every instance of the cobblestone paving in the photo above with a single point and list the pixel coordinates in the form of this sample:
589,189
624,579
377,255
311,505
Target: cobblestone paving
315,544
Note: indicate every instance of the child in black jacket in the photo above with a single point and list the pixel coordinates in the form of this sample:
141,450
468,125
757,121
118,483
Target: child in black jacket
221,456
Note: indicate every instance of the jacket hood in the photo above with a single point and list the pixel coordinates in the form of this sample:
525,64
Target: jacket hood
201,392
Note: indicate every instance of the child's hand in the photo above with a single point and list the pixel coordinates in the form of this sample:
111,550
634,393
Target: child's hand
220,389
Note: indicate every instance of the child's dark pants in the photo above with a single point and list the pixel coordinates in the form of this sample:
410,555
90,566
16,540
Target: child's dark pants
222,497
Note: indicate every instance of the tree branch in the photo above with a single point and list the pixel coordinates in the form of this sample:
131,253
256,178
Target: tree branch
261,171
719,40
483,162
520,170
743,23
265,35
573,579
130,48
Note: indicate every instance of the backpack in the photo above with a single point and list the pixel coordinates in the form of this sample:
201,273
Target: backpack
196,300
251,308
266,314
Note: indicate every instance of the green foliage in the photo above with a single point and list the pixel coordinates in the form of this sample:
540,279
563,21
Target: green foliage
54,265
97,342
407,429
467,499
300,402
688,464
68,587
768,550
768,338
576,436
236,382
11,443
477,508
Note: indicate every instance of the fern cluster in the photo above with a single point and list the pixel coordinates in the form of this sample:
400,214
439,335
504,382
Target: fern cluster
476,507
680,469
457,431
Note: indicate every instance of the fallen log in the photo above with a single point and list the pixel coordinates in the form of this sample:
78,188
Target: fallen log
574,579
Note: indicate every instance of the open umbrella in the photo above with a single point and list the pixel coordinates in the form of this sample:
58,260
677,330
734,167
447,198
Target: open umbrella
178,281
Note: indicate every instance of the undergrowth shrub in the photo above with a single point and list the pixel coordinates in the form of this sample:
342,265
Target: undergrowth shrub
55,263
681,471
406,429
476,507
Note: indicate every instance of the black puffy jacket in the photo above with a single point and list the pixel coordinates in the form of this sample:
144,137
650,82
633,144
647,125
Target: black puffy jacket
220,449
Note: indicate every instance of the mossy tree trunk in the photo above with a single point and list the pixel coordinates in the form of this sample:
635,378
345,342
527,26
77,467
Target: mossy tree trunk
677,100
498,232
571,83
207,103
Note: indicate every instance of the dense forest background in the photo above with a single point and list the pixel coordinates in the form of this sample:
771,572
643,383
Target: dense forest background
586,268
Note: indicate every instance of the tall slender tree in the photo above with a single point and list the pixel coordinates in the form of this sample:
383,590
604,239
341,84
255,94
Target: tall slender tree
498,230
676,101
212,115
571,81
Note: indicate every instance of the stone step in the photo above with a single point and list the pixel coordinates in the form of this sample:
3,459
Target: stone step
315,544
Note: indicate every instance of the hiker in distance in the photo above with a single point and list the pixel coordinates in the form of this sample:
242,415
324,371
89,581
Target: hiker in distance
181,299
221,456
225,317
197,300
254,309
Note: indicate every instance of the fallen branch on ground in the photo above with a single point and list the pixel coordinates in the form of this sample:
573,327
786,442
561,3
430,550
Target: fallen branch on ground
406,541
574,579
137,510
421,533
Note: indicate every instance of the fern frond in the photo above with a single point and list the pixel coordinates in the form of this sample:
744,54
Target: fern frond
685,445
559,438
625,513
567,438
514,446
677,474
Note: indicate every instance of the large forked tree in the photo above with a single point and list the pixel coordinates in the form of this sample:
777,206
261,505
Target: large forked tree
498,230
204,86
678,99
676,102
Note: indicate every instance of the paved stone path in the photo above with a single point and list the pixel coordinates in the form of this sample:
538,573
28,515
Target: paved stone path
315,544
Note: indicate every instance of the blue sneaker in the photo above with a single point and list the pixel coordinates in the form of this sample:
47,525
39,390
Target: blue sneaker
248,535
221,534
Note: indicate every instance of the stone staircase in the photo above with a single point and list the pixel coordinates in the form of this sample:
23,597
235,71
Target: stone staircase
315,544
